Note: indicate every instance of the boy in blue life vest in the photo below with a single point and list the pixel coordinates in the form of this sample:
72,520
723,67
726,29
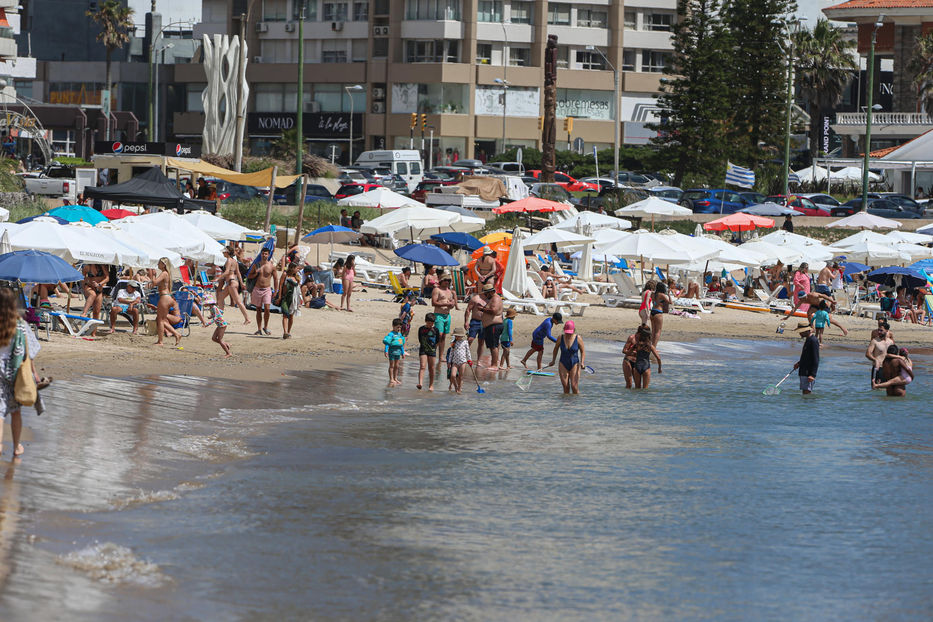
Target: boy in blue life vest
394,350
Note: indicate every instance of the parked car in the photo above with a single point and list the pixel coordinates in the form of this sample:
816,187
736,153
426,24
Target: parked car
602,182
348,190
717,201
628,178
350,176
395,183
612,198
567,182
822,199
228,192
801,204
377,174
848,208
551,192
511,168
754,198
55,181
900,199
450,172
428,185
668,193
314,192
884,208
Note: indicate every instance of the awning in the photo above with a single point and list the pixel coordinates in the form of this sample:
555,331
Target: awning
260,179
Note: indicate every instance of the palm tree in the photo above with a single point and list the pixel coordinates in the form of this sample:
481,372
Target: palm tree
825,66
922,65
116,24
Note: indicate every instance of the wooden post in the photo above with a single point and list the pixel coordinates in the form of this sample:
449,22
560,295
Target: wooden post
301,207
265,227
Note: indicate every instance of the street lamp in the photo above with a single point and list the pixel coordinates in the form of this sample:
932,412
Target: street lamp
790,102
505,95
355,87
869,109
155,118
616,117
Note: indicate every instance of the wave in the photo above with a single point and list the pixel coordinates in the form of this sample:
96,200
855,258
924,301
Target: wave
111,563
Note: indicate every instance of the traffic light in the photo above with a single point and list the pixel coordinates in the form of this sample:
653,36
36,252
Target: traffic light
414,120
540,123
424,121
568,125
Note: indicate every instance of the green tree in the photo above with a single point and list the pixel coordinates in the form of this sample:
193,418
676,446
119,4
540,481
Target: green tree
116,24
921,64
695,100
824,66
758,87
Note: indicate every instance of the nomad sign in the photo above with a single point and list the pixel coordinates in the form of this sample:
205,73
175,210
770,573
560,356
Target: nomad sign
315,124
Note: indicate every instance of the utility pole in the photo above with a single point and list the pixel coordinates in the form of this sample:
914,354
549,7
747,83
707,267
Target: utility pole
549,132
790,105
299,125
868,109
241,80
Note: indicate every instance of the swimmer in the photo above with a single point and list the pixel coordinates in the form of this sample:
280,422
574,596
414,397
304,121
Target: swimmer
897,370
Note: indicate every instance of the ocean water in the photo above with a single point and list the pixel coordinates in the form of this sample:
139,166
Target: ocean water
326,496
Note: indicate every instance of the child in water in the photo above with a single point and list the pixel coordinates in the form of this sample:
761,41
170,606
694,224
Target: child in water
459,357
394,350
216,315
506,340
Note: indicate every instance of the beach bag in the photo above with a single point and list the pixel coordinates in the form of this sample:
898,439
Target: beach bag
316,303
24,387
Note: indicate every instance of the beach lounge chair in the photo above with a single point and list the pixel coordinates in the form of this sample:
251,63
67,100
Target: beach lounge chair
658,273
627,293
511,301
458,284
76,325
397,288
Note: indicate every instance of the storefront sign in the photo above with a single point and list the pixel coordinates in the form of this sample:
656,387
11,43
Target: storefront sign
176,150
584,104
314,124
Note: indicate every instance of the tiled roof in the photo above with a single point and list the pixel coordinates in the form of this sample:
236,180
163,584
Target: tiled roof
881,4
880,153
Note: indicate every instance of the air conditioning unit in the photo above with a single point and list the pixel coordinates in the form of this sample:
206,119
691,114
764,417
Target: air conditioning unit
262,27
385,31
290,27
257,59
312,106
336,26
379,93
379,107
380,31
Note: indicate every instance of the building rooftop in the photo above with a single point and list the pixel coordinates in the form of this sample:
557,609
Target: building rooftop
882,4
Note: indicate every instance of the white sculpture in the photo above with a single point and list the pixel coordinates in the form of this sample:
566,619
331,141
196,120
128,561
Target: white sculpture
226,93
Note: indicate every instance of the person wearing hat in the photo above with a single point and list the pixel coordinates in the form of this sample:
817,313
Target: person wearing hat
126,302
492,324
487,268
459,356
443,299
572,358
506,339
809,362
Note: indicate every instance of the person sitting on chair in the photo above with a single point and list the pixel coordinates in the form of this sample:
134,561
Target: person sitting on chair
126,301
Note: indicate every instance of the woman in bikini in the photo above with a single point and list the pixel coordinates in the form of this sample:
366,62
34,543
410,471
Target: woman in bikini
349,274
643,349
164,284
228,284
646,295
660,304
94,278
628,356
572,358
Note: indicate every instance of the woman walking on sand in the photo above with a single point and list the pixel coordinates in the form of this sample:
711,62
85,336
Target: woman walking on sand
349,274
660,304
15,337
572,358
228,284
164,284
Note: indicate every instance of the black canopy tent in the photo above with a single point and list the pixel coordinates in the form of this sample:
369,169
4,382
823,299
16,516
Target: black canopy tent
151,187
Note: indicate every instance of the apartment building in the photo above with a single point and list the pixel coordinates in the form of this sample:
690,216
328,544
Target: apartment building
473,68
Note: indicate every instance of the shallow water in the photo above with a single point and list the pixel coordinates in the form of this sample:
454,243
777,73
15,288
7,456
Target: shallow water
326,496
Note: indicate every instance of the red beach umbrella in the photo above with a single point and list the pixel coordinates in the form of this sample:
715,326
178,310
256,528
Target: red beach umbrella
117,213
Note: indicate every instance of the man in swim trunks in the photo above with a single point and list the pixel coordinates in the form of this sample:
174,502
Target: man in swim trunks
264,271
126,301
877,350
824,280
492,324
444,299
896,371
473,320
487,268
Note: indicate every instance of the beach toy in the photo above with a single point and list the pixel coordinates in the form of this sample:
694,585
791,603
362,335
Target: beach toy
524,383
589,369
776,388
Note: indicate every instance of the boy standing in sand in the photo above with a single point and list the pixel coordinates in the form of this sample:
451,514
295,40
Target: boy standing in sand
427,350
394,350
538,336
809,362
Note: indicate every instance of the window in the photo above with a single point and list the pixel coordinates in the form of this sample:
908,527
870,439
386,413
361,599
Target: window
361,11
489,11
401,168
654,61
415,168
522,12
359,50
592,18
380,47
381,7
483,53
630,19
590,60
334,98
272,97
333,51
558,14
563,57
193,101
310,7
628,60
659,21
432,9
335,12
277,51
273,11
439,51
520,56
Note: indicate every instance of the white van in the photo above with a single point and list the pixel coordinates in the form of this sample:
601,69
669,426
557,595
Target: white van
404,162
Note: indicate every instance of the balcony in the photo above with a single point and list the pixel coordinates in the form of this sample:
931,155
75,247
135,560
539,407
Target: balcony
7,48
891,124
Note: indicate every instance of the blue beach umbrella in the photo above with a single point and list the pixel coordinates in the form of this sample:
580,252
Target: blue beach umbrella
460,240
853,267
426,253
77,213
60,221
896,275
923,264
36,267
334,234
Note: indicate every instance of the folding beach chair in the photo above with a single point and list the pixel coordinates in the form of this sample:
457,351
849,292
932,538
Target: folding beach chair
83,324
397,288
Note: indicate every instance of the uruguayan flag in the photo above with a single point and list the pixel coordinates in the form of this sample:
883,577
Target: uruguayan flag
739,176
793,178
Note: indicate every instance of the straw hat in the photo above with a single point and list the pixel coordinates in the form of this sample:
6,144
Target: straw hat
511,312
488,251
803,327
458,332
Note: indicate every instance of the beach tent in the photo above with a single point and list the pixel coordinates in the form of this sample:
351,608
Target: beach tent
812,174
593,221
173,232
864,220
418,222
381,198
514,279
546,237
151,187
218,228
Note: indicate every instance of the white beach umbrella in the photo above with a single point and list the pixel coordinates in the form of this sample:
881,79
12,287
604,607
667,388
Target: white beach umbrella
862,237
914,251
852,173
605,236
416,221
653,206
597,256
154,251
218,228
70,243
875,254
560,237
812,174
515,277
864,220
381,198
653,247
171,231
909,236
772,252
786,238
594,221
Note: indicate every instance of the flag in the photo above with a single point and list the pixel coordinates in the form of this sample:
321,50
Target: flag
739,176
793,178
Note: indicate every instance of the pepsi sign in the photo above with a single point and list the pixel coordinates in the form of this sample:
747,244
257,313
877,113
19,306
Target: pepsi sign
179,150
117,147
